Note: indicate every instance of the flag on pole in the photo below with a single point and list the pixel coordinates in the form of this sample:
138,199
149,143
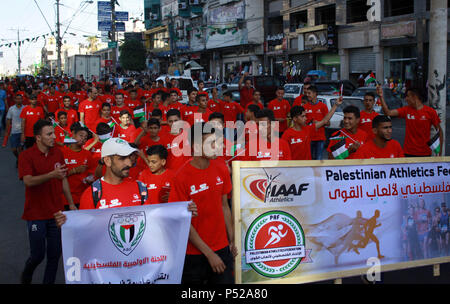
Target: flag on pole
105,137
370,79
339,151
139,113
69,140
435,144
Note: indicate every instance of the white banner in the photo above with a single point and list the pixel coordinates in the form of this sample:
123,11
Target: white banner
129,245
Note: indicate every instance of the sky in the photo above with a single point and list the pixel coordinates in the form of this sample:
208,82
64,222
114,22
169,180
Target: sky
25,16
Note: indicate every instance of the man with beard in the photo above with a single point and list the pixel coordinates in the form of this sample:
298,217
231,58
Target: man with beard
382,145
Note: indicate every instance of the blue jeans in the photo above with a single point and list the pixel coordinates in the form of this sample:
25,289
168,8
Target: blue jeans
317,149
45,238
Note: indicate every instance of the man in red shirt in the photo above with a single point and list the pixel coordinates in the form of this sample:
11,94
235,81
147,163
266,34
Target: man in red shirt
53,100
89,109
419,119
381,145
301,99
280,108
43,172
215,104
211,249
189,107
368,114
316,111
201,111
119,107
30,115
245,90
176,141
300,135
256,100
351,137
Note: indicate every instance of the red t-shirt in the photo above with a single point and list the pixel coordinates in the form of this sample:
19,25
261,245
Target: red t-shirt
365,122
230,110
128,134
300,142
157,185
246,96
75,159
360,136
115,112
205,188
393,149
280,110
298,101
91,112
316,112
179,150
72,115
60,134
43,200
132,104
31,116
264,151
418,126
198,117
126,194
53,102
107,98
214,106
147,142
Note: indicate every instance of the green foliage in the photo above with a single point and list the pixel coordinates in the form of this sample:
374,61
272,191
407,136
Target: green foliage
132,55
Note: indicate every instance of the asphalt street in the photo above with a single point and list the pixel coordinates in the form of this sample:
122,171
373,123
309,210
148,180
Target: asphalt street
14,247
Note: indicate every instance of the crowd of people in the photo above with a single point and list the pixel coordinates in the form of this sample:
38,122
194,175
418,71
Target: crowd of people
71,136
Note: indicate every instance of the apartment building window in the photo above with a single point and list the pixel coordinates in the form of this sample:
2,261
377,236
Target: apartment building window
357,11
398,7
298,20
326,15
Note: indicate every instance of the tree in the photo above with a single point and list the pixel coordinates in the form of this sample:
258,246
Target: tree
132,55
92,44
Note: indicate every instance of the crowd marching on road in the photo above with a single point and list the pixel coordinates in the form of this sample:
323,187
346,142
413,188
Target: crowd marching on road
70,136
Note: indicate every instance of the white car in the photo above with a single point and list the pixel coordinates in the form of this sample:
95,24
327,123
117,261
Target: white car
292,91
338,116
184,84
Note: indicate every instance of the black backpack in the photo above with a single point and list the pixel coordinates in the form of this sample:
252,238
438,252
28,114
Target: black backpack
96,188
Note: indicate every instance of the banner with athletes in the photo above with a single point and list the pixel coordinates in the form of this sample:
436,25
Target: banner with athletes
130,245
316,220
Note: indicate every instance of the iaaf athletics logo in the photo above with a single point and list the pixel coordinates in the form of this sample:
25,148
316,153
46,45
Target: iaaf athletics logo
267,189
275,244
126,230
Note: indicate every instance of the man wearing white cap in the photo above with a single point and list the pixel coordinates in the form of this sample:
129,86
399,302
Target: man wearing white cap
114,189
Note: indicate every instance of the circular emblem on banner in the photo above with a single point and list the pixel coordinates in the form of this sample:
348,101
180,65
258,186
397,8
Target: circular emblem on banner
274,244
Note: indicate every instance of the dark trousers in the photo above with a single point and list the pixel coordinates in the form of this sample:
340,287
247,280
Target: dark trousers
317,149
45,238
198,271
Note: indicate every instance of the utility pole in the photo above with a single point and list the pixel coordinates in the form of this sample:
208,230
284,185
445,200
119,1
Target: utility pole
113,36
58,39
19,61
437,67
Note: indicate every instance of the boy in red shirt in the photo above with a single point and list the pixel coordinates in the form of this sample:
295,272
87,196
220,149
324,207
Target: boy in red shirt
157,178
381,145
30,115
211,249
78,162
419,119
53,100
150,136
299,136
215,104
280,108
368,114
349,136
316,111
201,112
62,129
119,107
126,130
72,115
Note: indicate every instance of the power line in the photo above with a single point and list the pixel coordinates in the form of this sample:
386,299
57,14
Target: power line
43,16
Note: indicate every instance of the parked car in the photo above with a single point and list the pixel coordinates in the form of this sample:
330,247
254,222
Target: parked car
392,101
292,91
333,87
184,84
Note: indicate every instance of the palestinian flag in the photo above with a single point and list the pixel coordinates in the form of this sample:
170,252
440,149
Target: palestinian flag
369,79
139,112
105,137
435,144
339,151
111,123
69,140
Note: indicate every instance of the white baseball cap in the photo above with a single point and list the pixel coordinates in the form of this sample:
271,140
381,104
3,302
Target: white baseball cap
117,146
